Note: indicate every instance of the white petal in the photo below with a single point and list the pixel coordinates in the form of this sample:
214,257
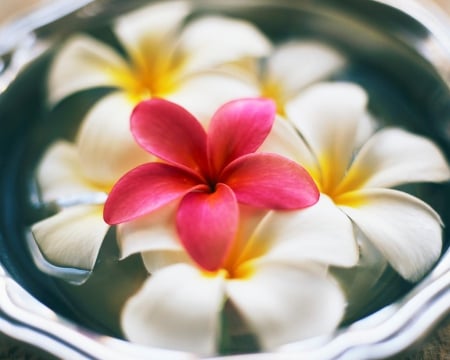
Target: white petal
156,260
406,230
284,304
177,308
215,40
59,173
149,29
359,282
203,94
72,237
284,140
394,157
320,233
106,146
297,64
155,236
328,115
83,63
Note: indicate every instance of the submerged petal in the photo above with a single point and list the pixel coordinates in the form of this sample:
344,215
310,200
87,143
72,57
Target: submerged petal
202,94
170,132
155,231
59,174
284,303
148,30
320,233
270,181
72,237
207,224
83,63
327,116
238,128
178,308
145,189
106,147
406,230
394,157
214,40
297,64
155,237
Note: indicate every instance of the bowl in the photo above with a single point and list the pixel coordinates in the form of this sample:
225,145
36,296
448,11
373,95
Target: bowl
399,52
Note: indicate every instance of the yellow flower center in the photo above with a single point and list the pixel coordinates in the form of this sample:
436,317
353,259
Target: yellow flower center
273,90
154,76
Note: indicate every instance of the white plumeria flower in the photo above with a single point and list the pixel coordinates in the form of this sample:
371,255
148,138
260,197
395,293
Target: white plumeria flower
403,228
275,276
164,59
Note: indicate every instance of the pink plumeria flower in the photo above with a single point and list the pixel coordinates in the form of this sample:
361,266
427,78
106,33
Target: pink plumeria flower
210,173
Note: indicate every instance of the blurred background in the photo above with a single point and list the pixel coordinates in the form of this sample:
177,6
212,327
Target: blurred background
12,8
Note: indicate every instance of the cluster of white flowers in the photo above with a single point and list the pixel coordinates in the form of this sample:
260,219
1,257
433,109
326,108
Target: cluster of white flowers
276,274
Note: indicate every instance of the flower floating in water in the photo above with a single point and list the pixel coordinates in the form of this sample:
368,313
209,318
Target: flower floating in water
359,180
275,277
165,57
210,172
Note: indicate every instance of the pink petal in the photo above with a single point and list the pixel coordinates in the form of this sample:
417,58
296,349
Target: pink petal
207,224
239,127
169,132
270,181
145,189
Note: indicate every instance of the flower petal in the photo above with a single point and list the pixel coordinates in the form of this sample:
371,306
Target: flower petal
298,64
158,259
285,141
145,189
155,237
202,94
215,40
406,230
72,237
59,173
153,232
327,116
106,147
320,233
239,127
207,224
170,132
284,303
83,63
177,308
270,181
394,157
149,29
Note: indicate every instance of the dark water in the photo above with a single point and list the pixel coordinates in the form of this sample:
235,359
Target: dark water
404,90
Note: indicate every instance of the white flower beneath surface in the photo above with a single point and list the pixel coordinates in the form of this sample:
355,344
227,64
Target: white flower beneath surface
164,58
359,180
275,276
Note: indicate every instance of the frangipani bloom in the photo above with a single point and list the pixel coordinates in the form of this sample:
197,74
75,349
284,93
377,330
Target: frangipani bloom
360,180
166,58
275,277
210,173
163,58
